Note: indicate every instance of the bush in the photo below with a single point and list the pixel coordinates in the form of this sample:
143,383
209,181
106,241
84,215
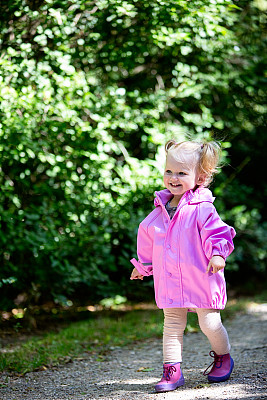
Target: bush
89,95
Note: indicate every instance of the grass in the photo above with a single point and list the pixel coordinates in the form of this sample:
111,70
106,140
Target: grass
95,336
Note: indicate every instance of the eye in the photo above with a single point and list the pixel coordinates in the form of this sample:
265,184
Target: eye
168,171
182,173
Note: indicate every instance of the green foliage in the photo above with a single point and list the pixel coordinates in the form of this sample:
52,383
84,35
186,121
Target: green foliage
90,92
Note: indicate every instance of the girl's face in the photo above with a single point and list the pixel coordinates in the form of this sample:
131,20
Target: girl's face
179,177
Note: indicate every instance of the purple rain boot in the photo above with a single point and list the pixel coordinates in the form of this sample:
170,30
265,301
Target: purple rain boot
222,367
172,378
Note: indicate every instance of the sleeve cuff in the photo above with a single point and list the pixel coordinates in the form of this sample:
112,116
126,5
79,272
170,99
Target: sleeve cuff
145,269
217,254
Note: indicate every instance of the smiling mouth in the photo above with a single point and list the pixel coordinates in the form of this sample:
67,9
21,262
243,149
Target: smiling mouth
175,185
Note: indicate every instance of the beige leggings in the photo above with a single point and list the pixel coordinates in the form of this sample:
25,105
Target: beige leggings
174,325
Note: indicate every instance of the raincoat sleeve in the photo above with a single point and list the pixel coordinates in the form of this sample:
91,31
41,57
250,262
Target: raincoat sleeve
217,236
144,252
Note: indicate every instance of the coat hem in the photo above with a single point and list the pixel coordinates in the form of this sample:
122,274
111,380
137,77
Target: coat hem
191,307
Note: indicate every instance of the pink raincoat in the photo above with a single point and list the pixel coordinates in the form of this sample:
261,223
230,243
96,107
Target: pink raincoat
177,251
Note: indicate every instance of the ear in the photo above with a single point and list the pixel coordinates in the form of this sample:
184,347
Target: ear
201,179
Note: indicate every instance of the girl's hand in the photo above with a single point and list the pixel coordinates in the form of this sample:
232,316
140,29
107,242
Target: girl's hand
136,275
216,264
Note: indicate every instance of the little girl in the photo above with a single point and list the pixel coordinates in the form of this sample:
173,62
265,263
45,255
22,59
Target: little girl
183,243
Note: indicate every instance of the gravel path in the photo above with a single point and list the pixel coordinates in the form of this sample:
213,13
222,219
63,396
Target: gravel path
130,373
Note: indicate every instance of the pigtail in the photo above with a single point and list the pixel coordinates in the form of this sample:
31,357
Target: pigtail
171,143
210,154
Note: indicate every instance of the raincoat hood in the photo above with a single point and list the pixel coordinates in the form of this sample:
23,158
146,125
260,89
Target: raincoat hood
201,194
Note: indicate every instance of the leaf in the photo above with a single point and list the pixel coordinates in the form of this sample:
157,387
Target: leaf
202,385
145,369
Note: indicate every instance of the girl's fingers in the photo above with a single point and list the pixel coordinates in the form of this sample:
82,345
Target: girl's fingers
208,267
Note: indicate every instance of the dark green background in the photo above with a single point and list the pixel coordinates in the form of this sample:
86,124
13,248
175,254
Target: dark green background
90,91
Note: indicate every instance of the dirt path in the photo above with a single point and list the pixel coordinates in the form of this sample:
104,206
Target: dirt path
130,373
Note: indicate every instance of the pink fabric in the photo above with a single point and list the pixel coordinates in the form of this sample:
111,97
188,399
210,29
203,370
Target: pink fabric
177,252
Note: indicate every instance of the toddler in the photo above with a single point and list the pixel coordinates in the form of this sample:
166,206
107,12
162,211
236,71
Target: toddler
184,243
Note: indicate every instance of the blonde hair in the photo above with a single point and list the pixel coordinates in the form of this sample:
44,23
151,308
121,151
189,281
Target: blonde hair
205,156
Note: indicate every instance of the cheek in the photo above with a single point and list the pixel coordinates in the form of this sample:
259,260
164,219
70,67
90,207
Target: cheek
165,180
